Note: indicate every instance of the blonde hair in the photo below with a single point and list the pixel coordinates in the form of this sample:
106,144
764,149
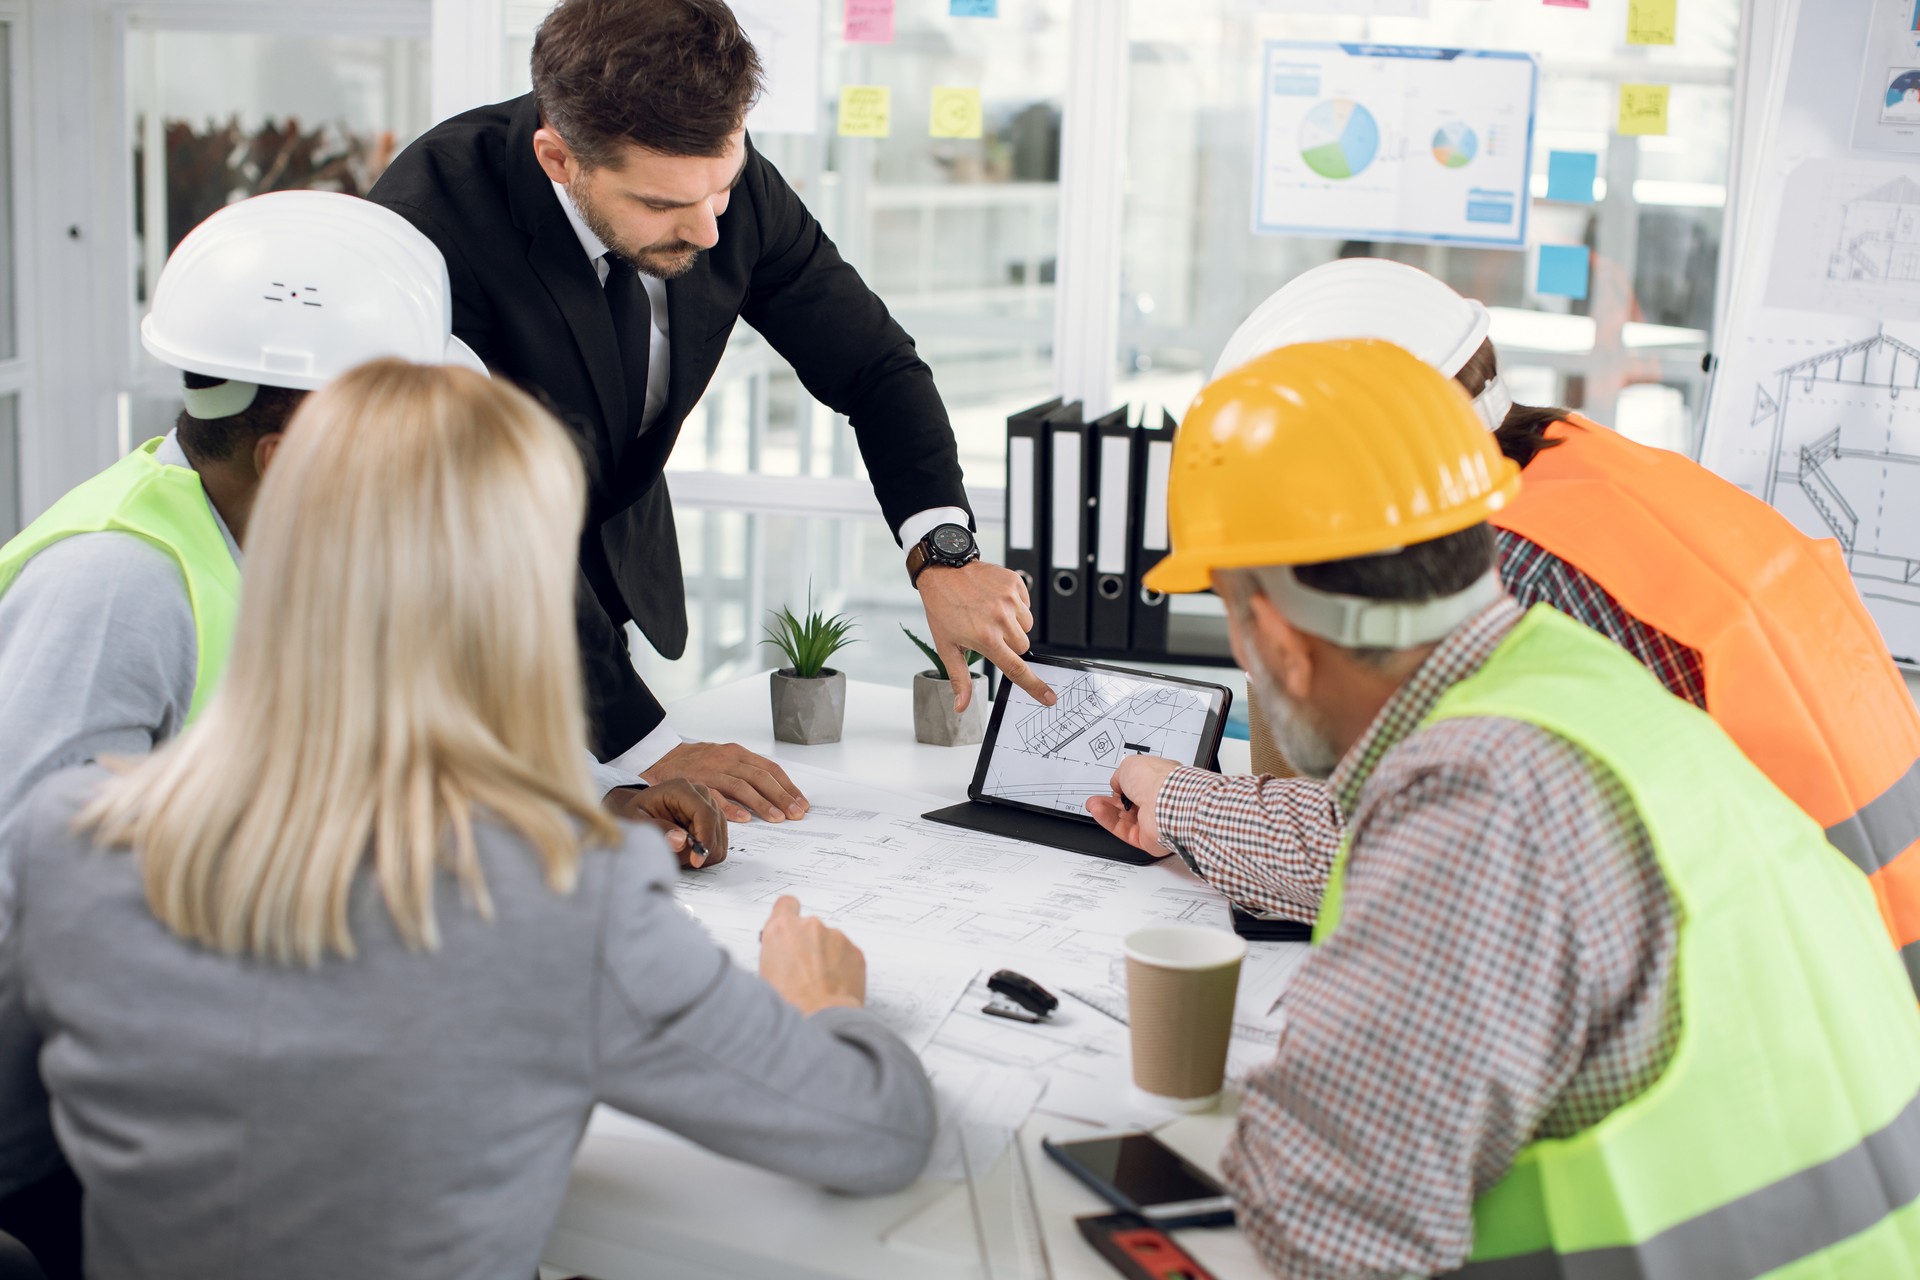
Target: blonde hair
405,655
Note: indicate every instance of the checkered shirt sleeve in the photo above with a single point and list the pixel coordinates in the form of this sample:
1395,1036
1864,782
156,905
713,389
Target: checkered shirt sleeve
1502,972
1535,575
1267,843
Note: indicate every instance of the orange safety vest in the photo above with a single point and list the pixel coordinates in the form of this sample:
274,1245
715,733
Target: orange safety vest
1796,670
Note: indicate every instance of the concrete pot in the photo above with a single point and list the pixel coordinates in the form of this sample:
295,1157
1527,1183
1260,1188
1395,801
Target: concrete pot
933,718
808,711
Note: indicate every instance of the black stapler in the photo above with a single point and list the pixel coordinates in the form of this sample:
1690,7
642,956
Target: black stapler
1035,1001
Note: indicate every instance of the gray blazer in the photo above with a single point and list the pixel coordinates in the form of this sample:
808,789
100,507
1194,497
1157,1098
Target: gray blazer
402,1114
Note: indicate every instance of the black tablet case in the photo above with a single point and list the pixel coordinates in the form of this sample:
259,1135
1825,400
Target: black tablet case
1040,828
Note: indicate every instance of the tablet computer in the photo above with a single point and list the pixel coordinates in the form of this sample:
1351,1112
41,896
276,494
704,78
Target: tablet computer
1040,765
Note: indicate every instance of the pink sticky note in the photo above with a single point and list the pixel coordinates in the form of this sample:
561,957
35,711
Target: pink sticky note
1569,4
869,22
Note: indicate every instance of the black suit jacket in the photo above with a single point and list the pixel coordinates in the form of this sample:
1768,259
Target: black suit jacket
528,300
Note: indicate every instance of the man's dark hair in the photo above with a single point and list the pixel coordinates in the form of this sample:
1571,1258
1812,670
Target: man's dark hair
672,76
209,440
1423,571
1523,432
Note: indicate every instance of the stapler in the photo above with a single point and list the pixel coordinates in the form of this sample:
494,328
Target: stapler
1036,1002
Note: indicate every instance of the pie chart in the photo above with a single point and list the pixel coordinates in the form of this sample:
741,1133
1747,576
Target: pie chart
1903,84
1455,145
1339,138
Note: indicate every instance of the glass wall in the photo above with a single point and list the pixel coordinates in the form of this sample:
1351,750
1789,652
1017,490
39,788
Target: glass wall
217,116
1628,354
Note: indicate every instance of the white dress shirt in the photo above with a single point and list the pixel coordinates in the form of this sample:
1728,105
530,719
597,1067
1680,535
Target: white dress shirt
646,753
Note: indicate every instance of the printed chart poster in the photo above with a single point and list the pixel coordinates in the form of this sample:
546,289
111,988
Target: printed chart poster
1887,117
1395,142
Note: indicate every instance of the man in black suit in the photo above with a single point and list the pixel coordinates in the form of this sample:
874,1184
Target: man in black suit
603,234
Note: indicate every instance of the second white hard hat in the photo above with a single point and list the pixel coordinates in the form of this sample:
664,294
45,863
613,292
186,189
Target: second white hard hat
1364,298
294,288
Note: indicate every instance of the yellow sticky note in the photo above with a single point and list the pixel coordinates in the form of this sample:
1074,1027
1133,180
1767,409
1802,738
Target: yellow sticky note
956,113
1643,108
866,110
1651,21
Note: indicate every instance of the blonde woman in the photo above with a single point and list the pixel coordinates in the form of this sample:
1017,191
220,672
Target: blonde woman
328,986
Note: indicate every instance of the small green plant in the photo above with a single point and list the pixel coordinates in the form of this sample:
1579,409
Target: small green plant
933,655
809,642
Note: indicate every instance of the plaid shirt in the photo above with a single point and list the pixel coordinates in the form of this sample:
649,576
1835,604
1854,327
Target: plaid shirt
1501,973
1237,852
1534,575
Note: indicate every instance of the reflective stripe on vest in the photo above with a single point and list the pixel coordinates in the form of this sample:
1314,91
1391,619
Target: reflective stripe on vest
1783,1138
1760,1232
1796,670
166,506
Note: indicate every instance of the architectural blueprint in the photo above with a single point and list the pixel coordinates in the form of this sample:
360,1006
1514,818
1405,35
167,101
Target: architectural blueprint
1058,757
1826,428
1848,241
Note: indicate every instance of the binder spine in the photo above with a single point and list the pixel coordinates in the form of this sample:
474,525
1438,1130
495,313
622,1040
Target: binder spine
1112,528
1153,466
1027,513
1067,465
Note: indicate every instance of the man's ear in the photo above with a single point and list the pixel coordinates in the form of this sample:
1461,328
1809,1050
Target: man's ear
264,447
1285,650
555,156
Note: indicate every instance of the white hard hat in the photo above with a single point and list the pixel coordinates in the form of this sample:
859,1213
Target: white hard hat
294,288
1372,298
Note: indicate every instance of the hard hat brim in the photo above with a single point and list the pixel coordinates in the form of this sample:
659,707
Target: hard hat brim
1188,571
1179,575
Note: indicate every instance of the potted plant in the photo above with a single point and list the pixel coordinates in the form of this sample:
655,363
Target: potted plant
809,697
934,720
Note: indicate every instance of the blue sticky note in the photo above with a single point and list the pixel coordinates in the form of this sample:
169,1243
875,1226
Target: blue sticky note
974,8
1570,176
1563,270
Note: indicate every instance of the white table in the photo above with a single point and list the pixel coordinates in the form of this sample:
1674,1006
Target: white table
644,1205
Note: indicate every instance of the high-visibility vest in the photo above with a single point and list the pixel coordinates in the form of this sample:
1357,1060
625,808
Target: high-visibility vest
166,506
1796,671
1783,1138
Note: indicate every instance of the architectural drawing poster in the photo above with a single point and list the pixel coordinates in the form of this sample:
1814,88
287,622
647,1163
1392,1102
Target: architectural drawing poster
1816,396
1395,142
1848,241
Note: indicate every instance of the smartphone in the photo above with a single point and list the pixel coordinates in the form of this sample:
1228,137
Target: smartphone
1140,1174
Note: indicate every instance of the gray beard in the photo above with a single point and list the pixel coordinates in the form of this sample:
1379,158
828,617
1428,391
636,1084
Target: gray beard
1306,747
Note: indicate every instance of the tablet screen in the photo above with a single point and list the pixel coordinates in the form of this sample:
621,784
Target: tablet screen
1058,757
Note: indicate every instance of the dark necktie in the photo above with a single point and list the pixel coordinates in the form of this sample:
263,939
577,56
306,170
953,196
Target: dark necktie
632,314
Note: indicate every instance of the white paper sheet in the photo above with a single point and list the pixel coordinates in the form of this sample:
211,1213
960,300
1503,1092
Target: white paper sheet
980,1109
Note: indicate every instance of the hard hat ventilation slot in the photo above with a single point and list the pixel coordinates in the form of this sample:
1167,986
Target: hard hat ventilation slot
308,302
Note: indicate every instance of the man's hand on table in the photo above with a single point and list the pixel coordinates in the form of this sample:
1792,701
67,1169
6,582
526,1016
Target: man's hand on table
745,785
982,607
812,965
1138,779
686,813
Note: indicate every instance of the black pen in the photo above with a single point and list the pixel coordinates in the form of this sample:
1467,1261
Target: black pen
698,850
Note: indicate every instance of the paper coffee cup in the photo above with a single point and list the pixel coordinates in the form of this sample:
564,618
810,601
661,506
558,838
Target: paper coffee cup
1181,984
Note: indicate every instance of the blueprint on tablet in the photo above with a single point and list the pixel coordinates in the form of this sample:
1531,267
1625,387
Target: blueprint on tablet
1058,757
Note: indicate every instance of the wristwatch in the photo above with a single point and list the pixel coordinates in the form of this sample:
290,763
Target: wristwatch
950,545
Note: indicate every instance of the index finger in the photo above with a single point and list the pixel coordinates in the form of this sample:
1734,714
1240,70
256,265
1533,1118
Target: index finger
1015,668
785,907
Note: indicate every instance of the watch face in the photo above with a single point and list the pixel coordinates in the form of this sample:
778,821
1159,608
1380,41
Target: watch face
952,540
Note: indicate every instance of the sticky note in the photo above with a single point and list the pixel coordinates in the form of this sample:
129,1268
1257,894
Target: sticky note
866,110
1643,108
955,114
1569,4
869,22
1651,21
974,9
1563,270
1570,176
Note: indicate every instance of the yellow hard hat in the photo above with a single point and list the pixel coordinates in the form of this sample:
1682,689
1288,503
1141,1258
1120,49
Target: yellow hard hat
1325,451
